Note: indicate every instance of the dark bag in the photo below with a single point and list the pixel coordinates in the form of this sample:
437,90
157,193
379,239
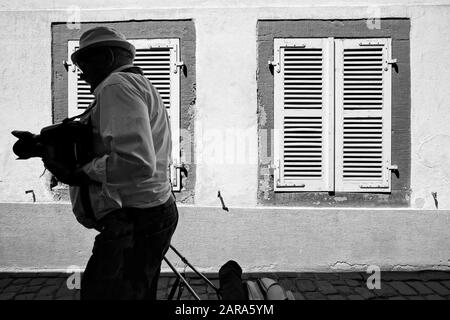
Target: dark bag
232,287
230,278
69,141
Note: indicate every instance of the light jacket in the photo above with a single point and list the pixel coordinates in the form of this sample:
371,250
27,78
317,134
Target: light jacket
132,146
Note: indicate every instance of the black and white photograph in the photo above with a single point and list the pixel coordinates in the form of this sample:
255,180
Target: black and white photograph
224,159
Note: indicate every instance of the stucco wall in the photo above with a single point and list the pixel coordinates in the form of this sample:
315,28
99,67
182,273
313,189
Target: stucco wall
226,143
226,104
269,239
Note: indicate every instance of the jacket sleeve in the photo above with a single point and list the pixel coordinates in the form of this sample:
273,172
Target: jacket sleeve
126,132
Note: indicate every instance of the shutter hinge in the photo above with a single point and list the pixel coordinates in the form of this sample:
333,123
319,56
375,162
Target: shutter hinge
371,44
179,64
174,171
276,65
392,167
275,165
302,185
375,186
67,65
391,61
173,174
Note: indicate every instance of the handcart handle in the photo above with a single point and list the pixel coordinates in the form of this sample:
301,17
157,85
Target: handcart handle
195,270
179,276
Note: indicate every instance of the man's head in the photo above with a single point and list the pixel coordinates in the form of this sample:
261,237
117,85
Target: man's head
102,50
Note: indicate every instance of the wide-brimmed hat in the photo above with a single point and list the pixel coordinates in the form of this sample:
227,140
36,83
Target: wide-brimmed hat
102,37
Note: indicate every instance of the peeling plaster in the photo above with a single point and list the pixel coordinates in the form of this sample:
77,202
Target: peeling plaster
419,203
342,265
265,185
262,116
362,267
434,153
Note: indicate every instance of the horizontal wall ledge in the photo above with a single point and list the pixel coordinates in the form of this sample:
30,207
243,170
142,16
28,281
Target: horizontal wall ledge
46,236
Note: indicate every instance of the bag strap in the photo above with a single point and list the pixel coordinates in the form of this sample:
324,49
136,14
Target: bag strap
81,114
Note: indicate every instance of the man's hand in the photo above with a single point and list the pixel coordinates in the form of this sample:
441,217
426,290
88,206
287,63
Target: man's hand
65,174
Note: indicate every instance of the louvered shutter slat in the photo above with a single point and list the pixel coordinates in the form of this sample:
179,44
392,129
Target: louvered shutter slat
156,65
84,95
79,93
362,115
302,115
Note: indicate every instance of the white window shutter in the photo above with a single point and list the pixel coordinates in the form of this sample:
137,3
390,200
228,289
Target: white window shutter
303,116
158,59
363,115
79,92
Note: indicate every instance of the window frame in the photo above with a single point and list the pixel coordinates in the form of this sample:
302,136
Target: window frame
182,29
398,29
331,113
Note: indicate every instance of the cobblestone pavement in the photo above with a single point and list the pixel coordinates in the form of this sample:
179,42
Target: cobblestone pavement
422,285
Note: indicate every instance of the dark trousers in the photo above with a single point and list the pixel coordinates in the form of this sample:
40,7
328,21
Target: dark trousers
127,254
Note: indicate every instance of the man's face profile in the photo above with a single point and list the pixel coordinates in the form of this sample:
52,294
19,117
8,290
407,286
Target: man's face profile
95,65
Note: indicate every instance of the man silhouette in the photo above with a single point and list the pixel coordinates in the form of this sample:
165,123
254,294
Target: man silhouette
124,191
